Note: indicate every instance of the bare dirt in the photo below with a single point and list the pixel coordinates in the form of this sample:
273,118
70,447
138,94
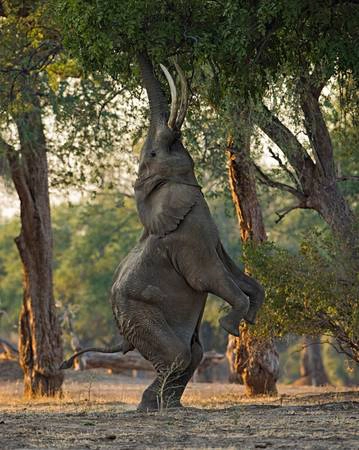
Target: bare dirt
97,411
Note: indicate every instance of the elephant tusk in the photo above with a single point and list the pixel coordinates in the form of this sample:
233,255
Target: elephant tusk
174,104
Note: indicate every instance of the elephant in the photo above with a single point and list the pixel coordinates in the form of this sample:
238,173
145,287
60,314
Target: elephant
160,288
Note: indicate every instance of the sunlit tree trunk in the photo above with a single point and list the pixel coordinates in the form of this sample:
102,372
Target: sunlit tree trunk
255,361
40,345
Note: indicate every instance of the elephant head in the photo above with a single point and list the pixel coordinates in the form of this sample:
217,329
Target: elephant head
167,191
164,159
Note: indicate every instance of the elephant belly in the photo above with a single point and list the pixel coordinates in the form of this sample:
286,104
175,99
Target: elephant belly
148,285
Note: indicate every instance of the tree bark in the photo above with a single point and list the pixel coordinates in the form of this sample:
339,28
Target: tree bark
253,361
316,185
40,344
312,371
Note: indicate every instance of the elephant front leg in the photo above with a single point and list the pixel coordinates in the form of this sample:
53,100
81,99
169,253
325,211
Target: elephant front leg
249,285
222,284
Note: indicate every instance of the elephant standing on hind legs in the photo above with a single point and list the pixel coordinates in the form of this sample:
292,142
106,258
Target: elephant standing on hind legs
161,287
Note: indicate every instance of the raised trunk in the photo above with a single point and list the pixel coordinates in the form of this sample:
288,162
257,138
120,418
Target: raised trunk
39,335
312,371
156,97
255,361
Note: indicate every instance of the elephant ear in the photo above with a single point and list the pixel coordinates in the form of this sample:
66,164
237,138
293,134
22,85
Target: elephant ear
163,204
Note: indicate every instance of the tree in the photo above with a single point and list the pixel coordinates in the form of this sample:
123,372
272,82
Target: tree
312,370
287,57
40,337
256,359
243,52
282,62
32,74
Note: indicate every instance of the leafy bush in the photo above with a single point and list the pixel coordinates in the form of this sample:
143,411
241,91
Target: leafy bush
314,291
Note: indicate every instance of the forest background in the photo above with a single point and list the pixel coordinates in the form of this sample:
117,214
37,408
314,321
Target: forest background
94,116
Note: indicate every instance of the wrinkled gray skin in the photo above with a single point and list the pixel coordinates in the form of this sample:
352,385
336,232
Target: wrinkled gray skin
161,287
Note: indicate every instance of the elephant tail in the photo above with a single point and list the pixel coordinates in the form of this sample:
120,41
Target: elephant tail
123,347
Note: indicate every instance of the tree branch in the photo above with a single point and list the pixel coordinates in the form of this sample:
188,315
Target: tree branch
265,179
294,151
108,100
9,351
314,123
282,164
348,178
282,213
17,173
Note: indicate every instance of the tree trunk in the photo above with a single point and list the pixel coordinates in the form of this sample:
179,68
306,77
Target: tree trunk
312,369
316,185
255,361
39,335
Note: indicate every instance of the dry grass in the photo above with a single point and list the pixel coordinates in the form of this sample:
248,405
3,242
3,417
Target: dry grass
98,411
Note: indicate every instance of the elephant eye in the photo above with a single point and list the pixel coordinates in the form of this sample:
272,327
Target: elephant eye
153,153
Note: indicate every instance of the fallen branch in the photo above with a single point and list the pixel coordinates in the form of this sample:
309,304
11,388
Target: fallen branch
8,351
117,362
348,178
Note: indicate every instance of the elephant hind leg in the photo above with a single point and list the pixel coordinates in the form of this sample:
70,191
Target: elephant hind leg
167,389
147,329
196,357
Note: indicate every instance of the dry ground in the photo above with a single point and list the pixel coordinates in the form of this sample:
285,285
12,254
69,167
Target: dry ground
98,411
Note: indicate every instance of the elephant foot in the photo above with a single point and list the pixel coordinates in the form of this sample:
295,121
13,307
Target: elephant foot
231,321
155,406
250,317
